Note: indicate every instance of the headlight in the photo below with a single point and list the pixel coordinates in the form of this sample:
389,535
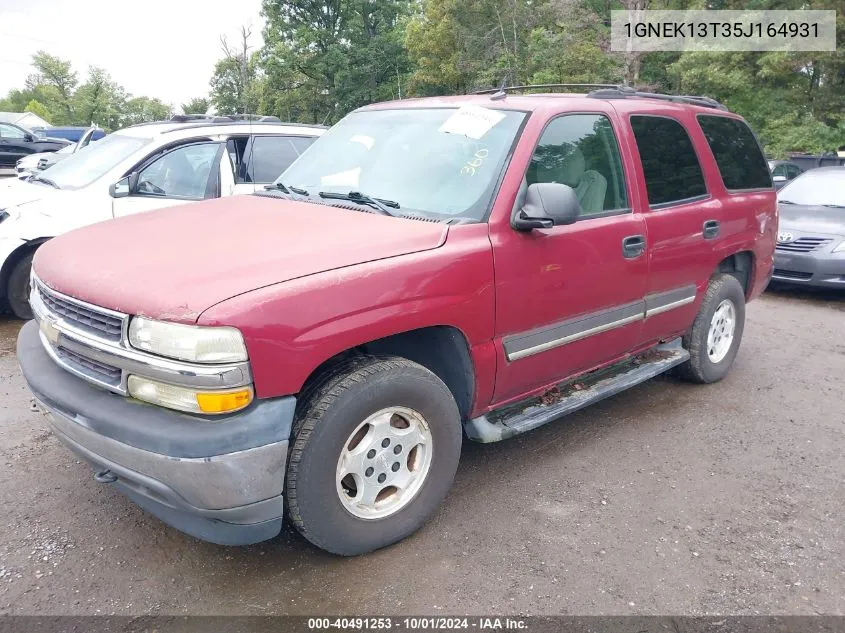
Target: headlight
185,399
840,248
193,343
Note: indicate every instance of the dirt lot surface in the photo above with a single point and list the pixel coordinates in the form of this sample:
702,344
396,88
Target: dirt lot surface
670,498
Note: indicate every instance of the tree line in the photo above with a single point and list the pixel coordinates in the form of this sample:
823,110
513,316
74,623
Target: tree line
322,58
55,93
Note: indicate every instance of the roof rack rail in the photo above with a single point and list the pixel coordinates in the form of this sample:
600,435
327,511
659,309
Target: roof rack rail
507,89
622,92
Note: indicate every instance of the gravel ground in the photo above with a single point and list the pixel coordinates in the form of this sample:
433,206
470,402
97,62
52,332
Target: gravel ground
669,498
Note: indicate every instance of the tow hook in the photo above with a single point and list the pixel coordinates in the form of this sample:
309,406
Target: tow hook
105,477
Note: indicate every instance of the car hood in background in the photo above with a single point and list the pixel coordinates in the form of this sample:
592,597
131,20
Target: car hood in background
823,220
175,263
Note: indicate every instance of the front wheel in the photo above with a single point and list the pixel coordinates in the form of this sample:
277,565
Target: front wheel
17,290
375,448
714,338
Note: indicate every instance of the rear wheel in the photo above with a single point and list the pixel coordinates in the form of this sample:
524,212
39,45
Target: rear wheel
375,448
17,289
714,338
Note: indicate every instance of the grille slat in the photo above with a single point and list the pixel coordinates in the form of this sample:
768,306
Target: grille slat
803,244
103,325
106,373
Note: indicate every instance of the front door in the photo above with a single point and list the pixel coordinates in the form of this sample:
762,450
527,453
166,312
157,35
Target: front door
186,173
570,298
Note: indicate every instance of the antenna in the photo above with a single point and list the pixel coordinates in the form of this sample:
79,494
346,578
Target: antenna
501,93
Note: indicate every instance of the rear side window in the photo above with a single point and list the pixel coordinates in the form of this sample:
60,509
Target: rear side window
271,155
737,153
671,168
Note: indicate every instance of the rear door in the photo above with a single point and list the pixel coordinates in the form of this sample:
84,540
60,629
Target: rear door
570,298
679,208
271,155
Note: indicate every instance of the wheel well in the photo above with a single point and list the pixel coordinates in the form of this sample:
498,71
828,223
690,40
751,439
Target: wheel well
740,266
14,257
443,350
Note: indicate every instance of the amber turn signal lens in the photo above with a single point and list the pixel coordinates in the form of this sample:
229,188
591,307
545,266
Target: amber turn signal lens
217,402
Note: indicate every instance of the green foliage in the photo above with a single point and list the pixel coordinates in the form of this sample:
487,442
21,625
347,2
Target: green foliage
197,105
54,93
323,58
39,109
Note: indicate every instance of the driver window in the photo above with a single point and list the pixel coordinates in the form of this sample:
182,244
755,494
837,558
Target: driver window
180,173
580,150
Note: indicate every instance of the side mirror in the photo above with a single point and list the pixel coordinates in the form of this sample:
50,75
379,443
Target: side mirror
29,138
547,204
778,178
124,186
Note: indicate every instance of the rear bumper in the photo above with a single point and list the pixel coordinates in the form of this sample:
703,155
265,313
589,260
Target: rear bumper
219,480
823,270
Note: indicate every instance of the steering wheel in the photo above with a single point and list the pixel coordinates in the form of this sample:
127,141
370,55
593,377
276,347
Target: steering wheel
147,187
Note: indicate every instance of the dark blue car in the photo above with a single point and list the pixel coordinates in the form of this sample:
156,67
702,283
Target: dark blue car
71,133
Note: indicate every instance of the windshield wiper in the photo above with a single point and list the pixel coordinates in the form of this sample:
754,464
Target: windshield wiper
362,198
834,206
280,186
785,202
46,181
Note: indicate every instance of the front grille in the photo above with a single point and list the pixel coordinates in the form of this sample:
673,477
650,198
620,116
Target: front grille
803,244
792,274
96,370
87,319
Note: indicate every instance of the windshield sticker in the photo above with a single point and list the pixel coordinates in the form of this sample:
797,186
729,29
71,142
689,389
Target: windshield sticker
347,178
471,121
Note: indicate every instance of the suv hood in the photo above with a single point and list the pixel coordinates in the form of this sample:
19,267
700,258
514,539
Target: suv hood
175,263
17,193
824,220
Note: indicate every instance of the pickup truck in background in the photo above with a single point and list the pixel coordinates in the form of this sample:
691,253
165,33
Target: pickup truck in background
428,270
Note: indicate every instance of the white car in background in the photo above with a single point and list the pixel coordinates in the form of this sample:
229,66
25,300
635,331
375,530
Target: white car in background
139,168
33,163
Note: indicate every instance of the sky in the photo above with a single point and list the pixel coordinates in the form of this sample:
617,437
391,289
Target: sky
155,48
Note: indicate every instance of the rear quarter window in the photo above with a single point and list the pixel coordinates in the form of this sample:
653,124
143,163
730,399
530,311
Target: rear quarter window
737,153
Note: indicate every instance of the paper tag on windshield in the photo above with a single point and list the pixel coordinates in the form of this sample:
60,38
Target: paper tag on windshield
471,121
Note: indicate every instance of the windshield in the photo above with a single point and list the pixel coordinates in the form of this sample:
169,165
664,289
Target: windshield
93,161
439,162
816,188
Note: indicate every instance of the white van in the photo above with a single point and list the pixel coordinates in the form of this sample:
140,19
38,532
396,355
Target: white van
140,168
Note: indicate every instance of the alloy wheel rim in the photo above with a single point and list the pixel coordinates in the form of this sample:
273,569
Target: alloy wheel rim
720,336
384,463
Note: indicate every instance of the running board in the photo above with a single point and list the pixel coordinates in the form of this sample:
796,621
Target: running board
569,396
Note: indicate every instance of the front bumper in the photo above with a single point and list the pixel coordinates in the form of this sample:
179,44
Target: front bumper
822,269
218,479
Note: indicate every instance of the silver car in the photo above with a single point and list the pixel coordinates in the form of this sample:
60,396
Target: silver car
811,235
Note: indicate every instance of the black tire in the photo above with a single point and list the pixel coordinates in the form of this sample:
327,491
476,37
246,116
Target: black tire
17,290
329,413
700,367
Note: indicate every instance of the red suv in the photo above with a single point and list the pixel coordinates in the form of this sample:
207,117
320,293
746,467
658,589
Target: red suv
429,269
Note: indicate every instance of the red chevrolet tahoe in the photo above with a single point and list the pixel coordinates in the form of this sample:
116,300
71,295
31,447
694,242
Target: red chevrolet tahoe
428,270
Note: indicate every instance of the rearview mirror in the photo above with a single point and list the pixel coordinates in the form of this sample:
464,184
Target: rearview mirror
124,186
547,204
778,178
